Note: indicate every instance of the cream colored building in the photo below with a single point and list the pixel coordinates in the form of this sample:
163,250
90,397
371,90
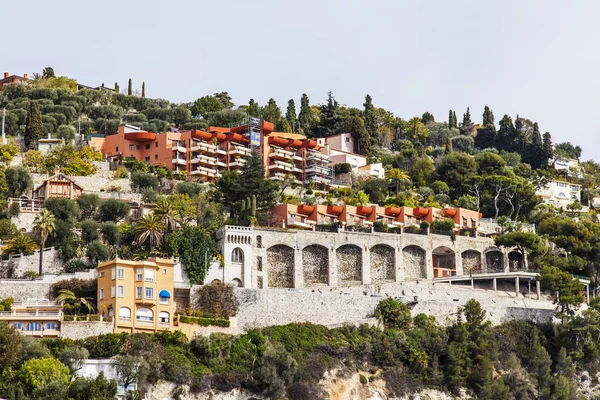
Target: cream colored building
139,294
34,317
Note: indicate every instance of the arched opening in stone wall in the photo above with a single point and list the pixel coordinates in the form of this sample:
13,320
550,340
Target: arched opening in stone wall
494,260
413,258
444,261
315,265
237,282
471,261
349,264
383,263
515,261
280,266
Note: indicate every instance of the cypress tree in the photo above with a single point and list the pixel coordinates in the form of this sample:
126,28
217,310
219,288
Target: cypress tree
305,115
34,130
290,114
505,134
547,151
454,120
448,148
369,117
144,89
450,120
129,88
116,87
535,150
488,116
467,126
253,109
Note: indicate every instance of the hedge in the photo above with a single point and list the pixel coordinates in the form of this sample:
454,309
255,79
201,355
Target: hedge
224,323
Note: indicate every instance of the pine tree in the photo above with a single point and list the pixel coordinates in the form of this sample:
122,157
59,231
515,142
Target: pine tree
272,113
547,151
485,137
290,115
34,130
129,88
369,117
143,89
467,126
427,117
305,115
253,109
329,118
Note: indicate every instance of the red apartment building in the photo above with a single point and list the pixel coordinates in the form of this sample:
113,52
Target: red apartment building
208,153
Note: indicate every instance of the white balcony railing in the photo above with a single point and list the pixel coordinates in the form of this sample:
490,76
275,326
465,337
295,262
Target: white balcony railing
279,165
204,147
179,161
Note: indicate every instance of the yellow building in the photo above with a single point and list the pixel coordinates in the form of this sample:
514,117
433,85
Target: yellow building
34,317
139,294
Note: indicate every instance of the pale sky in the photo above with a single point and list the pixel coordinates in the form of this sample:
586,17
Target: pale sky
538,58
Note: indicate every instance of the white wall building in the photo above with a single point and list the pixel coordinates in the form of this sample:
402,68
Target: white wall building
92,368
567,164
560,194
340,149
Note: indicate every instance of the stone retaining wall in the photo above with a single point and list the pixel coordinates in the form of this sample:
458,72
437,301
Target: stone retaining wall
83,329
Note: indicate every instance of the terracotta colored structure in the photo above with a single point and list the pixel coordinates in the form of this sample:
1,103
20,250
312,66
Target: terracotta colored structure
14,80
208,153
57,186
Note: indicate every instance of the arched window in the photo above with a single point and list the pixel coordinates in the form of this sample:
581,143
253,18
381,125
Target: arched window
33,326
163,317
51,325
144,314
259,242
18,325
124,313
237,256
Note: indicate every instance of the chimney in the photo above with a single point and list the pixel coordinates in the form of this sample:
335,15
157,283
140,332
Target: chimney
25,76
5,75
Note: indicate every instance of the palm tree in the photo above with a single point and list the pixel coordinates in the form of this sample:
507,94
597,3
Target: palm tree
396,175
166,212
67,296
44,225
19,244
149,231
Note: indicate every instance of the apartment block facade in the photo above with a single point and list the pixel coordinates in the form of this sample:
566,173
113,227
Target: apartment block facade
206,154
34,317
137,294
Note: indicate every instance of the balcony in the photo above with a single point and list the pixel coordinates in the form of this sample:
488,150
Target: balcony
239,151
30,315
282,166
281,154
202,159
204,147
240,162
145,301
317,169
207,172
34,303
42,333
315,155
279,176
300,222
320,179
179,149
179,161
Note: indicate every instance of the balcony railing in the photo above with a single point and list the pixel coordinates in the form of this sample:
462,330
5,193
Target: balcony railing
279,165
280,153
202,159
179,149
204,147
208,172
30,314
179,161
240,151
317,169
34,303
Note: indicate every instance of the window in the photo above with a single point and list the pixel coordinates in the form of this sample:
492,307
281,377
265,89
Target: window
112,291
131,147
101,294
125,313
138,274
473,223
164,271
163,317
164,296
144,314
237,255
347,139
561,184
138,147
259,264
464,221
138,292
51,325
117,149
155,144
147,146
33,326
259,242
111,312
147,158
121,291
149,293
121,273
102,274
113,272
156,156
18,325
149,275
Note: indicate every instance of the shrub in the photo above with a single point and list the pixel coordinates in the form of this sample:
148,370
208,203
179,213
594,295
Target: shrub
393,314
121,173
342,168
445,225
89,230
204,321
143,180
363,379
217,299
75,266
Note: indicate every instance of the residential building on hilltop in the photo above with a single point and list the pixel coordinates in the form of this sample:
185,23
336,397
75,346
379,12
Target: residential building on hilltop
341,150
569,165
137,294
14,80
560,194
208,153
34,317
